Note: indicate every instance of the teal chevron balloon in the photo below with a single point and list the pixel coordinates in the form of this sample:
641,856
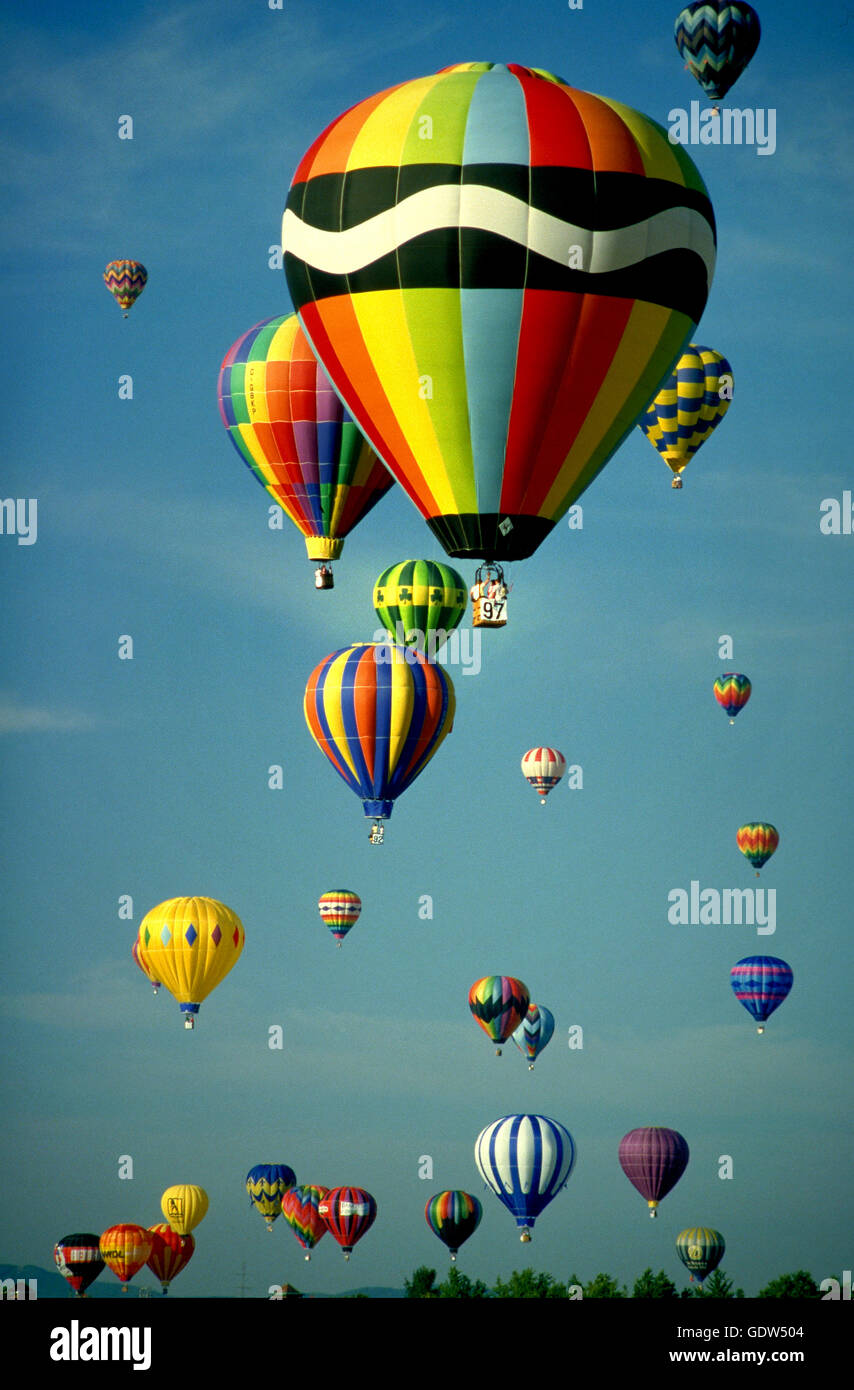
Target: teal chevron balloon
717,40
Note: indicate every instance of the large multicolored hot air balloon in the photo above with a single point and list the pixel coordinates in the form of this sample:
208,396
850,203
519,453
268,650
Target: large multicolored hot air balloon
543,768
300,1208
349,1213
526,1160
378,712
497,272
453,1217
689,406
717,39
340,910
79,1260
125,1248
534,1032
499,1003
126,281
293,433
170,1253
757,842
419,603
267,1184
732,692
701,1250
184,1205
653,1159
761,983
189,944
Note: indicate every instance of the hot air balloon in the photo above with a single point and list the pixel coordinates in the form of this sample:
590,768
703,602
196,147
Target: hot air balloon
453,1217
732,692
300,1208
79,1260
125,1249
761,983
757,842
689,406
498,1003
349,1213
526,1160
653,1160
340,909
543,768
700,1250
498,303
717,39
291,430
419,603
170,1253
134,950
378,712
126,281
267,1184
190,944
534,1032
184,1206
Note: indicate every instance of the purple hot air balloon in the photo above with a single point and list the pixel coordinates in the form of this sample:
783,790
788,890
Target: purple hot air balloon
653,1159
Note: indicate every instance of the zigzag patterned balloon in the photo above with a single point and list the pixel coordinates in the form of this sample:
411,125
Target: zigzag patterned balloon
717,40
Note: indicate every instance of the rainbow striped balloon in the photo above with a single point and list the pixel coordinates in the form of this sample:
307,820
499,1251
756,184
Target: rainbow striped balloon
378,712
453,1216
761,983
499,1003
300,1210
340,909
126,281
757,842
732,692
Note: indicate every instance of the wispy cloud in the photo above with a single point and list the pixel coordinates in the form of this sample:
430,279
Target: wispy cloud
17,717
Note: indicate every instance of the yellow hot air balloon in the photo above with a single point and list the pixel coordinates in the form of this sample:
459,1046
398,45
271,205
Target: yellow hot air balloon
184,1206
189,945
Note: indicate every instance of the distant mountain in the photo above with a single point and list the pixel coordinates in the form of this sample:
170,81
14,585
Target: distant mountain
50,1284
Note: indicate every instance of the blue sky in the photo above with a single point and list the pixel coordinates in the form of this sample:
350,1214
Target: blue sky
149,777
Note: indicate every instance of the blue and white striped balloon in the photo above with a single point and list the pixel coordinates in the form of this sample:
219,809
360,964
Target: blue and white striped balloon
526,1160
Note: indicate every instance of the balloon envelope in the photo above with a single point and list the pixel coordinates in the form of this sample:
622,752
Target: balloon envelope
761,983
499,1003
378,712
267,1184
78,1259
125,1248
349,1213
496,304
184,1206
717,39
340,909
170,1253
653,1159
189,944
300,1208
453,1216
732,692
689,407
700,1249
526,1160
543,768
126,281
291,430
534,1032
420,599
757,842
